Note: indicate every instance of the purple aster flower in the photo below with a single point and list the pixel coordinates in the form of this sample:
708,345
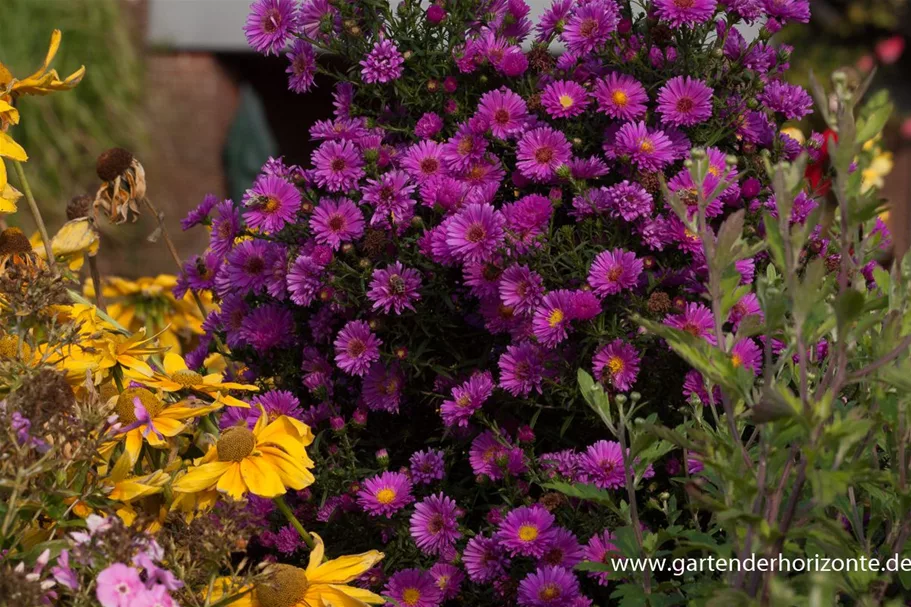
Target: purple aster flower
424,160
287,540
233,311
563,463
526,220
697,320
621,96
414,588
629,200
484,559
613,271
272,202
590,26
270,24
791,100
356,348
428,125
302,68
564,550
549,587
198,274
527,531
390,195
464,148
314,15
602,465
427,466
200,214
601,549
395,287
247,267
541,152
551,318
385,494
503,111
467,398
383,63
564,99
338,165
521,288
553,19
383,388
435,524
748,305
225,228
448,579
617,365
278,403
268,327
522,369
588,168
685,101
746,353
336,221
495,457
475,232
650,150
788,10
305,279
685,12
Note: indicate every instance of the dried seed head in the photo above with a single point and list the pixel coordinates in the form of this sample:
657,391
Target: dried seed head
126,409
285,586
235,443
14,242
43,396
659,303
113,163
79,206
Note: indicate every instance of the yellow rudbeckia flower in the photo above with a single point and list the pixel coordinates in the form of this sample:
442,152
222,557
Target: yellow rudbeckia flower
177,376
266,461
70,244
44,80
319,585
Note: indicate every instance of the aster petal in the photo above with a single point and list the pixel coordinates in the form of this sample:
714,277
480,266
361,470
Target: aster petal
261,478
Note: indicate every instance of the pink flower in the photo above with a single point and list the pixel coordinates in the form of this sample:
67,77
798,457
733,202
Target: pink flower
118,586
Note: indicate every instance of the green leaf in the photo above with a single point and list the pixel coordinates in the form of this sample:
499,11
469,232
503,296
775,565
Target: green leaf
584,492
873,125
774,239
848,307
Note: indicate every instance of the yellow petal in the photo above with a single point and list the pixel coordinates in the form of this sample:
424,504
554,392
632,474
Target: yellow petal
260,477
173,363
10,149
167,426
360,594
134,444
12,114
201,477
282,433
292,473
76,236
344,569
327,596
232,482
317,554
52,49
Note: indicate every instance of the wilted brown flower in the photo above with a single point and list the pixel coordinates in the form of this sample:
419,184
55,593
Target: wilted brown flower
16,250
124,185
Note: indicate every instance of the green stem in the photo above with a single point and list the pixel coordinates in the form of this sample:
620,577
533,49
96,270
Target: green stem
36,214
286,510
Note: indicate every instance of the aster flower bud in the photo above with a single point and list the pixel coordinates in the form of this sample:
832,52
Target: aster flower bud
382,457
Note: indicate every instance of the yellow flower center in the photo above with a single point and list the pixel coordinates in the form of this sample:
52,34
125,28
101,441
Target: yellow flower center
385,495
528,533
9,347
411,596
463,401
737,360
126,408
555,318
549,592
615,364
620,98
714,170
566,101
646,146
271,204
235,443
285,586
187,378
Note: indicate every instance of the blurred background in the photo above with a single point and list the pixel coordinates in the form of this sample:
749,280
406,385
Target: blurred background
174,82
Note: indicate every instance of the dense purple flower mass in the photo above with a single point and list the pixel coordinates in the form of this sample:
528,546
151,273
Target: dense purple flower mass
271,24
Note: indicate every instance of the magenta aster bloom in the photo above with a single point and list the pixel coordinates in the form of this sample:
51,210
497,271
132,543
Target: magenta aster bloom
746,353
526,220
414,588
564,99
527,531
356,348
247,267
484,559
428,125
791,100
503,111
521,288
541,152
553,19
685,101
613,271
650,150
564,550
475,232
302,68
493,457
748,305
467,398
621,96
463,149
448,579
629,200
200,214
305,279
601,549
336,221
427,466
225,228
270,24
617,365
424,160
338,165
390,195
590,26
435,524
685,12
550,322
272,202
602,465
383,388
268,327
522,369
394,288
383,63
549,586
788,10
697,320
385,494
